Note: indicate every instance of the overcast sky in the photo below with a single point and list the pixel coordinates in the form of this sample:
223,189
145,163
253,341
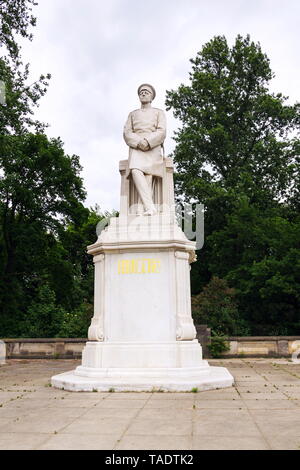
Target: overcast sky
99,51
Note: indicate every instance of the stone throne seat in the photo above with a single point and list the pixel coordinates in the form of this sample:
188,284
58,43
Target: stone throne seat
162,190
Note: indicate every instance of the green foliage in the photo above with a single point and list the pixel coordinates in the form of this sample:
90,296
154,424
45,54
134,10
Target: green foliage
16,116
235,134
258,253
76,323
15,18
238,153
61,260
216,307
40,193
39,181
43,316
219,345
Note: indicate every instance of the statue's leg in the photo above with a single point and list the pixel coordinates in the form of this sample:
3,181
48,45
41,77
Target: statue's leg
143,185
149,181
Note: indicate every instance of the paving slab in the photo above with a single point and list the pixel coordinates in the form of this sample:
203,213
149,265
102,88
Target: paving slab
174,425
95,411
220,404
98,425
254,387
164,413
79,442
227,443
125,395
22,441
9,396
278,423
211,422
218,395
293,394
170,404
261,411
284,442
154,442
173,396
122,403
234,429
261,404
272,395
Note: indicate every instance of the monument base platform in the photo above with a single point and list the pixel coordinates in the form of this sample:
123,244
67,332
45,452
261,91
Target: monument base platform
134,380
143,367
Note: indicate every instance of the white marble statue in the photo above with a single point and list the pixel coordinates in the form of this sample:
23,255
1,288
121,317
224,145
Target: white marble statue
144,133
142,336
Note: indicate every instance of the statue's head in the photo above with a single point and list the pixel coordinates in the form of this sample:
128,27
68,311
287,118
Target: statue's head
146,93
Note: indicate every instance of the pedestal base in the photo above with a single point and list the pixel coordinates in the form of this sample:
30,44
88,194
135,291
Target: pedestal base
172,367
165,380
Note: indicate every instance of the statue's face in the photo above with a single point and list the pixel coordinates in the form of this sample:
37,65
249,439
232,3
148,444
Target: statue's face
145,96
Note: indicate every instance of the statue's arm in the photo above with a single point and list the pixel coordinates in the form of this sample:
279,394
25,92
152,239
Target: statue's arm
130,137
158,136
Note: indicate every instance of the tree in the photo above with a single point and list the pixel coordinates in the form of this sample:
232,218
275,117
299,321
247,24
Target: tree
235,133
258,253
44,316
16,114
237,152
41,191
15,18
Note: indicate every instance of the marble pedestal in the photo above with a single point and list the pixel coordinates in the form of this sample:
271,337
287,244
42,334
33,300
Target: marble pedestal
142,337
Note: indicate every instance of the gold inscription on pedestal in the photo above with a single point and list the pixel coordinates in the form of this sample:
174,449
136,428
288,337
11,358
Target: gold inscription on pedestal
139,266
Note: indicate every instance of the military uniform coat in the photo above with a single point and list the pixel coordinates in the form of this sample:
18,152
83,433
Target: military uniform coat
149,124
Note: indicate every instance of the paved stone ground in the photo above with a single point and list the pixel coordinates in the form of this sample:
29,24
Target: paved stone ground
262,411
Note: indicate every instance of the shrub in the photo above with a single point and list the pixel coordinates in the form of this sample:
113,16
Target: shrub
218,345
216,307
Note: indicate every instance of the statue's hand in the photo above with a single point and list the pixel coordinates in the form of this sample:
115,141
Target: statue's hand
143,145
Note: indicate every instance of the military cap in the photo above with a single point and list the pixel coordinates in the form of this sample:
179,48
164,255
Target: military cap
148,87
